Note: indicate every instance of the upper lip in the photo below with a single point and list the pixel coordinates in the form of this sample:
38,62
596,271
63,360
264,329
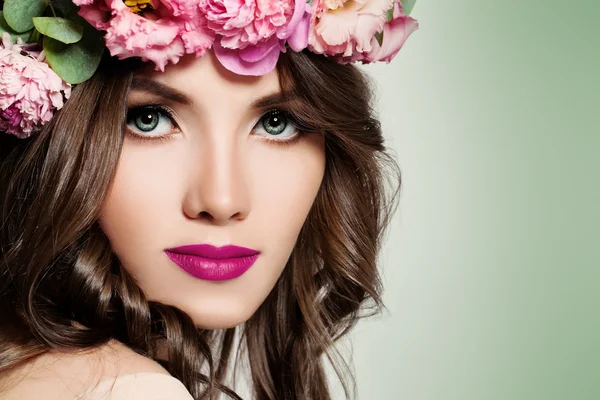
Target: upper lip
217,253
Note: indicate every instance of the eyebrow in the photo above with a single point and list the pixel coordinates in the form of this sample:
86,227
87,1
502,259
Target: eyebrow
167,92
272,100
159,89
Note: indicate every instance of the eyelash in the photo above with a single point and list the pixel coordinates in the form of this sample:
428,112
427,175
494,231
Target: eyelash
291,119
171,115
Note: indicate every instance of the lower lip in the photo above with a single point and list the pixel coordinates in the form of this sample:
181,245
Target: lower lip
213,269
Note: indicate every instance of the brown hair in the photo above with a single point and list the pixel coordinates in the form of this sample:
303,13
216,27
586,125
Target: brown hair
61,287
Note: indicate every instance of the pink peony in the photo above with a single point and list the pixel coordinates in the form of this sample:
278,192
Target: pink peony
11,116
30,92
162,33
252,33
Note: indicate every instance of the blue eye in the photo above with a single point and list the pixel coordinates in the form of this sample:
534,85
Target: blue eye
276,124
150,121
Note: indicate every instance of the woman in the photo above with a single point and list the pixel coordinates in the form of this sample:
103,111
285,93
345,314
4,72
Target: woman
168,222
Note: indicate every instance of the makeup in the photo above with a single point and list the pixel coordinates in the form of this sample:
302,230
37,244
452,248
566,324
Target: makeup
210,263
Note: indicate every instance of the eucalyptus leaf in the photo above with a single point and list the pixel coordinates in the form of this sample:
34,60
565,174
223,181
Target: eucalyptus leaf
77,62
61,29
407,6
4,27
19,14
35,36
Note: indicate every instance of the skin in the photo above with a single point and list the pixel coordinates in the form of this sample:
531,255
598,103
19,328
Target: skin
215,178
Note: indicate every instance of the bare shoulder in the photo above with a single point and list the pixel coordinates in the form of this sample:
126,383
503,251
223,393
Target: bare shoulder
65,375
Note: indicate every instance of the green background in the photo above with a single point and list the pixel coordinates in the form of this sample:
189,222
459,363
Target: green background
492,264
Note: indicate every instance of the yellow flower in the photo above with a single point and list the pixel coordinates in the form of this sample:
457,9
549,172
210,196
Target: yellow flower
138,6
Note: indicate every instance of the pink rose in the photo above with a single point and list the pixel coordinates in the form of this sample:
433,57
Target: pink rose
30,92
252,33
162,33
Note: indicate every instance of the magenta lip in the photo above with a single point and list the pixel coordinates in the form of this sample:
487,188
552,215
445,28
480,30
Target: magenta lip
213,263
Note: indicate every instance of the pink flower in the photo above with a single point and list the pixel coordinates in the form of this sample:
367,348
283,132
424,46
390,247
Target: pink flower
395,34
252,33
346,27
161,33
11,116
30,92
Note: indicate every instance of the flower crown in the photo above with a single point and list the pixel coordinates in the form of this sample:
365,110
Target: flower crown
49,45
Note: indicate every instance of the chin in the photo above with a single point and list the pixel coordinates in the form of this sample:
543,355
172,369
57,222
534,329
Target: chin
220,314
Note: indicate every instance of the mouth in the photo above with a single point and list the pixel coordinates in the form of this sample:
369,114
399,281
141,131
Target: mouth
211,263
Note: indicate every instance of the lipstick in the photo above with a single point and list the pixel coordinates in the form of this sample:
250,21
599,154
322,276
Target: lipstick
210,263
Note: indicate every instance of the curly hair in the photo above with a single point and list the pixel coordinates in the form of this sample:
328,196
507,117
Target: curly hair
62,287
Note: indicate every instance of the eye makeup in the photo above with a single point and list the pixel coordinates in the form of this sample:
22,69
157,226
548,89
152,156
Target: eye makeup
143,119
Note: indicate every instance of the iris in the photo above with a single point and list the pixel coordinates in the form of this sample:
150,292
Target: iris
274,122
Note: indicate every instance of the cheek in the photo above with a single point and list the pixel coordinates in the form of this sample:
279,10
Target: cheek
285,186
144,195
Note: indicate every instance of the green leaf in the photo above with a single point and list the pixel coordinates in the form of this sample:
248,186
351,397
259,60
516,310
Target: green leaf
60,29
379,37
407,6
77,62
19,14
13,35
389,15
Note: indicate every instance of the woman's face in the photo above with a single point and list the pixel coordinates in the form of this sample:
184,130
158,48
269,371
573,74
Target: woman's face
206,164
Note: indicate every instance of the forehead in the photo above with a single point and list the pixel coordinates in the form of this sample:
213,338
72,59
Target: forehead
205,81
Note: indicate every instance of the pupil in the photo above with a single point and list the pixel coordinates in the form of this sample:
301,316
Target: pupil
275,124
147,121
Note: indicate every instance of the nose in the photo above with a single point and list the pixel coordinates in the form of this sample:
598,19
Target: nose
218,192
